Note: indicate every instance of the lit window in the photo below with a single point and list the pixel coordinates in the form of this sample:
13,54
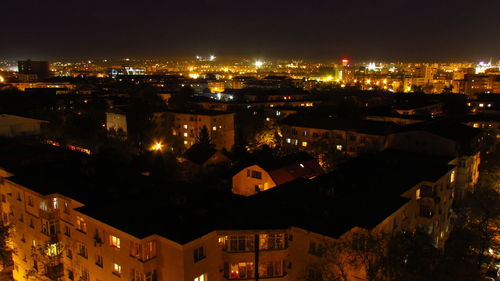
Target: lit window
117,269
476,125
268,119
185,142
114,241
481,105
339,147
452,176
202,277
288,140
185,126
214,128
81,224
304,143
55,203
185,134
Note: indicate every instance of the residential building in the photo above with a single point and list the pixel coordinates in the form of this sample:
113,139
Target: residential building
14,126
349,137
265,174
187,125
174,233
443,137
30,71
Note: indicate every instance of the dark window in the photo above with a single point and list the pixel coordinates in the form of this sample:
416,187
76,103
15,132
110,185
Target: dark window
256,175
199,254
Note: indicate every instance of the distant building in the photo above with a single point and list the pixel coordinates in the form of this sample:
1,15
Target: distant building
116,122
30,71
266,174
432,109
187,125
14,126
349,137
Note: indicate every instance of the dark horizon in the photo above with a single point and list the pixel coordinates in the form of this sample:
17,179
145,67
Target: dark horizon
390,30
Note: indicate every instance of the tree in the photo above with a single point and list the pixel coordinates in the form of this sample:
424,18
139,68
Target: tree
47,261
204,137
5,249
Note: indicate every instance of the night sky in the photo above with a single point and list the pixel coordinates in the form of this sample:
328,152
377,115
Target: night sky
397,30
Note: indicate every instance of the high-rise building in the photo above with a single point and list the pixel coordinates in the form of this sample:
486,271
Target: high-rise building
33,70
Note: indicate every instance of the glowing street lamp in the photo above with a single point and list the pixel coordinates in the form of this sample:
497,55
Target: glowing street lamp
158,146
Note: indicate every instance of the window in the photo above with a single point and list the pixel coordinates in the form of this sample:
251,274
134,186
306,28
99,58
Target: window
18,196
150,276
185,134
304,143
31,224
453,176
66,207
353,138
272,241
82,250
288,140
316,249
99,261
70,275
426,211
241,270
185,126
114,241
30,201
81,225
149,250
256,175
271,269
214,128
304,133
85,275
21,218
199,254
67,231
238,243
339,147
55,203
117,269
202,277
69,253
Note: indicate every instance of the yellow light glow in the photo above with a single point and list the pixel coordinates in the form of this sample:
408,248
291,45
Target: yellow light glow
158,146
2,79
194,75
259,63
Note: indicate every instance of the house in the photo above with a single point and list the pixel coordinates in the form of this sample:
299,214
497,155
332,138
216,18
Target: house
268,173
202,157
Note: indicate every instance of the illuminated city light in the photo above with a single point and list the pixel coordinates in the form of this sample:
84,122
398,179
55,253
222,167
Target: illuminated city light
2,79
258,63
158,146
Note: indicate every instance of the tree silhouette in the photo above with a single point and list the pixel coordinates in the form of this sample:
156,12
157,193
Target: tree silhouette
204,137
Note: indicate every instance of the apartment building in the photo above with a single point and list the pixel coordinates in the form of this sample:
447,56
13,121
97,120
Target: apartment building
449,138
187,125
179,233
348,137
